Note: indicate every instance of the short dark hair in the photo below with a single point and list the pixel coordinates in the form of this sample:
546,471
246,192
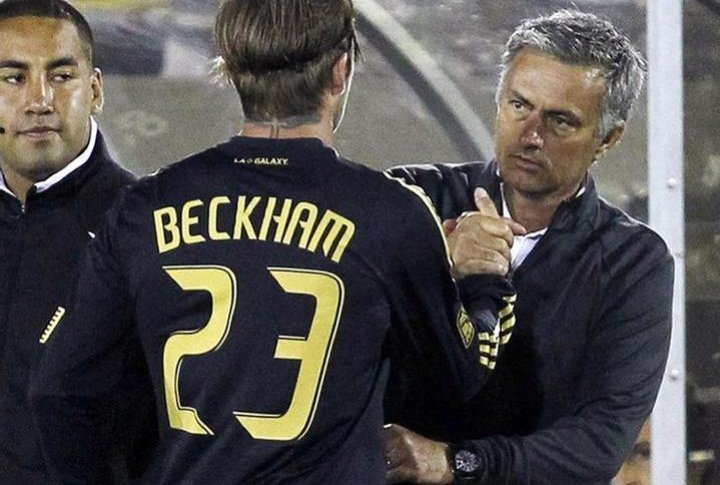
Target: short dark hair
585,39
279,54
54,9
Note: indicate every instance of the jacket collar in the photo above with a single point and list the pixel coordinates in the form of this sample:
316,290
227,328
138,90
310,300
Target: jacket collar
79,161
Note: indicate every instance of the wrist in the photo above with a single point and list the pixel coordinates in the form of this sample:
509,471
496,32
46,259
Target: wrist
466,464
447,473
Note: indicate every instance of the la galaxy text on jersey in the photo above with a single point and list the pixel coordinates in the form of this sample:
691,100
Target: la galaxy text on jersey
264,295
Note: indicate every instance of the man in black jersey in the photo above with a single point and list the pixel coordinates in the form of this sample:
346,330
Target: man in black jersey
264,277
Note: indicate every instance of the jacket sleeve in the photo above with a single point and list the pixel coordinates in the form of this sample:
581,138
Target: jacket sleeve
446,337
83,362
623,370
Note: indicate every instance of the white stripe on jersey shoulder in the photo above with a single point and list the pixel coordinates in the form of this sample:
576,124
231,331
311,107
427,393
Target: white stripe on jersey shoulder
420,193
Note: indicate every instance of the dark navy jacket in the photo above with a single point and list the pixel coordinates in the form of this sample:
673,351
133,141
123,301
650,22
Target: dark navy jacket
40,248
589,348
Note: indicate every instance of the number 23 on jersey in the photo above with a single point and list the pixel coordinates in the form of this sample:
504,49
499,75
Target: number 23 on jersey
313,351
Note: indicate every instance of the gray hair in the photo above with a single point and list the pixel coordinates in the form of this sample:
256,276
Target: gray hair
584,39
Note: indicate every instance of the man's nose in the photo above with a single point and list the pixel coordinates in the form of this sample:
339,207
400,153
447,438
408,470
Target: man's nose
533,134
40,96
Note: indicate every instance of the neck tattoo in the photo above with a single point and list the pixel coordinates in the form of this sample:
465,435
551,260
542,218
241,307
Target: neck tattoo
275,125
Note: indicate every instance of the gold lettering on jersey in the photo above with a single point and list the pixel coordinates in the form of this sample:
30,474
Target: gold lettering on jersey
189,220
304,215
284,221
242,218
214,232
280,219
272,161
166,229
336,224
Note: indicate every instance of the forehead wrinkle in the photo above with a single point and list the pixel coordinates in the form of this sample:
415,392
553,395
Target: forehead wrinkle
553,85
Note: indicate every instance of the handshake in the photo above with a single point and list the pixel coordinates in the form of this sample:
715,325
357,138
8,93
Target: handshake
479,242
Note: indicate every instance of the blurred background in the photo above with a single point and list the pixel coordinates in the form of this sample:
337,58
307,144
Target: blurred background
425,93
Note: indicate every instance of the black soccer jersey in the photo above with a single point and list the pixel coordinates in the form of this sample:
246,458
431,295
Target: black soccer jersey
263,278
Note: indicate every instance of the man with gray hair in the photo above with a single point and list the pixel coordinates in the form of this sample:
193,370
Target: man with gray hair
594,286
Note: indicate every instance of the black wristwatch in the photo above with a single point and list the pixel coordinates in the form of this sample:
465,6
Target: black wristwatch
466,465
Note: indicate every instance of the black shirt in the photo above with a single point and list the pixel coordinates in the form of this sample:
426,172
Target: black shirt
265,278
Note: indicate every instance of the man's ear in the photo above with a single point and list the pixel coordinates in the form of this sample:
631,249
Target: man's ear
98,94
610,140
341,74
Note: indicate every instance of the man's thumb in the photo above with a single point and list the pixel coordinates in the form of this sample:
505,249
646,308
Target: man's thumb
484,203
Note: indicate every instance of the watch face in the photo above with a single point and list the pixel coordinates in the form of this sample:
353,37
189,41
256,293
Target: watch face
466,461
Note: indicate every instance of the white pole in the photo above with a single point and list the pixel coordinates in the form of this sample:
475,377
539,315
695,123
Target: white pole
666,208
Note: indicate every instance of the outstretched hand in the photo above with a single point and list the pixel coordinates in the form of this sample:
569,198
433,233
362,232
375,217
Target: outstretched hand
413,458
480,241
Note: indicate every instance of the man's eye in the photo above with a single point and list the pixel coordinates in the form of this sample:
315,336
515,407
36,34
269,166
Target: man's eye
517,105
13,78
561,123
62,77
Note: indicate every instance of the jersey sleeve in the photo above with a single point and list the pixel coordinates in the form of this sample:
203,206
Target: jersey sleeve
84,358
455,330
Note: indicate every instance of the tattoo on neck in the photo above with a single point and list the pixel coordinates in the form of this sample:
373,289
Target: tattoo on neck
276,125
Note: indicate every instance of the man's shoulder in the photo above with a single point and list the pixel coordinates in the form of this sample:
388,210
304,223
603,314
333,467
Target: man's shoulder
406,196
111,173
97,188
145,192
623,235
442,172
181,173
392,199
619,223
206,168
117,174
450,185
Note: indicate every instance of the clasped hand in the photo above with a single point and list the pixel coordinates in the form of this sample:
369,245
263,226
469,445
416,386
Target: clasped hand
480,241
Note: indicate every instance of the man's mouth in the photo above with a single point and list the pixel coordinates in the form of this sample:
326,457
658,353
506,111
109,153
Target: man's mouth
528,163
39,132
